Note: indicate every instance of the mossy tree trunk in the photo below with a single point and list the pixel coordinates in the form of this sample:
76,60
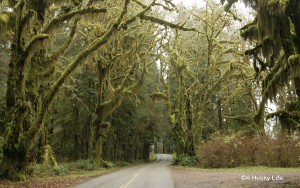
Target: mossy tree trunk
18,107
25,112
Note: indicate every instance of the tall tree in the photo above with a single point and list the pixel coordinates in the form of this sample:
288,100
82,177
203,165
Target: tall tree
274,33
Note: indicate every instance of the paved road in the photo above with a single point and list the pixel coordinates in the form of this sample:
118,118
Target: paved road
153,175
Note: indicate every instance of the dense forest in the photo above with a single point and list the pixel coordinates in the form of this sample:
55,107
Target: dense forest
113,80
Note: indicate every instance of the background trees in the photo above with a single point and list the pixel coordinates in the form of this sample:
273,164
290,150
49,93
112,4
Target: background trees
207,79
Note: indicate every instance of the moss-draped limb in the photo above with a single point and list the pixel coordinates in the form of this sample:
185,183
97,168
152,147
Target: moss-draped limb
67,16
282,113
70,69
133,18
166,23
109,106
52,60
272,83
29,48
26,19
55,55
289,121
158,96
293,11
158,4
274,80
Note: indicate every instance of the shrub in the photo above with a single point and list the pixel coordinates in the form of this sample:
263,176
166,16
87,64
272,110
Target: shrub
60,170
122,164
108,164
85,165
185,160
237,150
34,169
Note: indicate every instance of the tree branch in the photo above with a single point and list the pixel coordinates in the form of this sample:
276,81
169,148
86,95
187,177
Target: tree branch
70,69
62,18
32,43
55,56
166,23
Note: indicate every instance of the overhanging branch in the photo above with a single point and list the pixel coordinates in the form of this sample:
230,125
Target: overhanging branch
166,23
67,16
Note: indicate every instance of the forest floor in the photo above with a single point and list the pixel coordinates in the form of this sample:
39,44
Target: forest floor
253,177
56,181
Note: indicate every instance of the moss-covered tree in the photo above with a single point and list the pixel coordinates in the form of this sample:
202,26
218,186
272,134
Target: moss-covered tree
274,32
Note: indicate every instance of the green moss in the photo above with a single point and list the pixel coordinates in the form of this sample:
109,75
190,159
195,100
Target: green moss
250,32
158,96
294,62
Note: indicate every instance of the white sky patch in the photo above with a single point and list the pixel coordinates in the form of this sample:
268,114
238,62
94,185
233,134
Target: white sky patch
190,3
201,3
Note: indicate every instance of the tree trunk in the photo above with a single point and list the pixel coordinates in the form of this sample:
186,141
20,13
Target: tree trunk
190,149
146,151
14,163
219,103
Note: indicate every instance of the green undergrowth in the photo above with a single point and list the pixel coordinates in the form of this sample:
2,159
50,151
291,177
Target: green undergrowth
185,160
65,174
80,168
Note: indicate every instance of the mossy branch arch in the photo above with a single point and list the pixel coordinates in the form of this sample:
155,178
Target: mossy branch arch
36,25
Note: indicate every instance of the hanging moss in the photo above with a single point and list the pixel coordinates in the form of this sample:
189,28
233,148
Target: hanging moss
294,62
250,32
172,119
4,18
158,96
276,7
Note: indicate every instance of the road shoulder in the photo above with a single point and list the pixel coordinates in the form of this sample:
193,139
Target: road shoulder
194,178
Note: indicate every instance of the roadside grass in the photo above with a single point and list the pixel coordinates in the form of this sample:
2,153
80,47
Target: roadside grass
64,175
47,179
242,169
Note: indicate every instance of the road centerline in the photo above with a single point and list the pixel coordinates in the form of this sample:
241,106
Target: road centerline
133,178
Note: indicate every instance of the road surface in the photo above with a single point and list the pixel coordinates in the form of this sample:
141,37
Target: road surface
153,175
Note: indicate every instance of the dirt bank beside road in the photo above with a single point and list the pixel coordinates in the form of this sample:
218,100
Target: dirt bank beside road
193,178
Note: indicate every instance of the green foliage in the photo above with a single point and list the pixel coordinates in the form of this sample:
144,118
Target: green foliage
85,165
108,164
60,170
122,163
185,160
